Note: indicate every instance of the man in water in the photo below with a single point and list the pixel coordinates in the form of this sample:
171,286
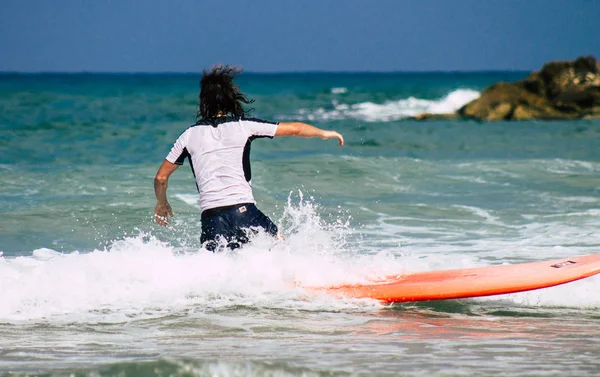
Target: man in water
218,148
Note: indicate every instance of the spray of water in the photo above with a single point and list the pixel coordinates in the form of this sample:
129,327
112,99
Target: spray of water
142,276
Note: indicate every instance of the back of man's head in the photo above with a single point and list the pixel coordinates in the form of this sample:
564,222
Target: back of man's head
219,96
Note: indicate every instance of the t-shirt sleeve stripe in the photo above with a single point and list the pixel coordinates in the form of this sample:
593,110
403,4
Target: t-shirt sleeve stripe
179,152
179,160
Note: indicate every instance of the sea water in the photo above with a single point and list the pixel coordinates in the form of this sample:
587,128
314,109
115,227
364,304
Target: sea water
91,286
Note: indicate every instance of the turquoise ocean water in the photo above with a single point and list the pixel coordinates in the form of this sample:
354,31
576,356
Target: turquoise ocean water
90,286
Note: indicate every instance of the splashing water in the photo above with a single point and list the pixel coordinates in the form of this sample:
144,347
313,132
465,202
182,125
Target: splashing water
392,110
141,276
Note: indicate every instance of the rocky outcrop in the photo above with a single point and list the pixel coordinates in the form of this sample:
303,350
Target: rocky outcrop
560,90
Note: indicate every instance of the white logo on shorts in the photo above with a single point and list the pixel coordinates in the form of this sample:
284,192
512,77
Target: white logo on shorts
242,209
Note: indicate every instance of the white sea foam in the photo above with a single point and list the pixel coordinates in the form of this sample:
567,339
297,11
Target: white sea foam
189,199
142,276
340,90
393,110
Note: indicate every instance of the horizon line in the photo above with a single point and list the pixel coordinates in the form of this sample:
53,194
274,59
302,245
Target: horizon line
85,72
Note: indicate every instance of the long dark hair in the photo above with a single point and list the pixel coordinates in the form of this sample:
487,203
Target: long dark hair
219,96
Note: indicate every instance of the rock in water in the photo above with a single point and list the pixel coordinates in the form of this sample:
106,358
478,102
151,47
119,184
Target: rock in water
560,90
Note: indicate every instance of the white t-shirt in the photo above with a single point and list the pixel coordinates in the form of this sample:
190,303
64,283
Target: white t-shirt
219,154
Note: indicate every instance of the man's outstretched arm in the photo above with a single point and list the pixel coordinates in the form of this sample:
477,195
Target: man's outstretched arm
306,130
163,210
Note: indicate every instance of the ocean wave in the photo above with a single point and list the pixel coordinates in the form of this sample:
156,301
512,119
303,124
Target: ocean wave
340,90
142,277
391,110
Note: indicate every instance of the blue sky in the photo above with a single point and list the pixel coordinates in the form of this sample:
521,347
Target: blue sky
289,35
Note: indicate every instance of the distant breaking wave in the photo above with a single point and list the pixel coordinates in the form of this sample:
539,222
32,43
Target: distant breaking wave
392,110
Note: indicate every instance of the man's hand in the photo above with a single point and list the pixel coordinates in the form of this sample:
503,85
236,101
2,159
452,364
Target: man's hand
162,211
333,135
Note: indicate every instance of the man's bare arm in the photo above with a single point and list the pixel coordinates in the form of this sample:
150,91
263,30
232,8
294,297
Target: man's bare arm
163,210
306,130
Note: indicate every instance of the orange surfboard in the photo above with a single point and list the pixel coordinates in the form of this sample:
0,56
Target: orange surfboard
473,282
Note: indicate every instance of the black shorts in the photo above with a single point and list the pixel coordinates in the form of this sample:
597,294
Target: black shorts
232,223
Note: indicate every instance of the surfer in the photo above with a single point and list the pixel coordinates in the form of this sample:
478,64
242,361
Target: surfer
218,148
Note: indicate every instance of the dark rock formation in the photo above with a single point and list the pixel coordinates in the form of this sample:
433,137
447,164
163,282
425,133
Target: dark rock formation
560,90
